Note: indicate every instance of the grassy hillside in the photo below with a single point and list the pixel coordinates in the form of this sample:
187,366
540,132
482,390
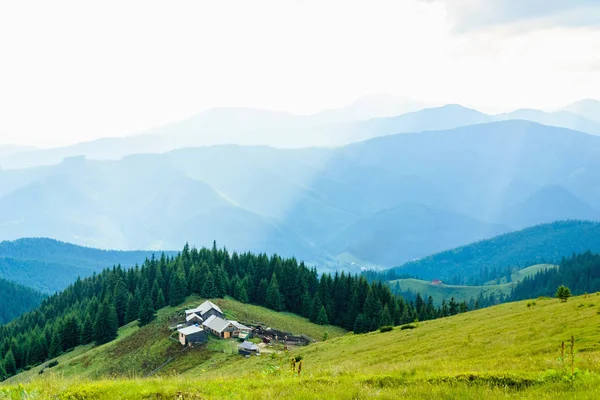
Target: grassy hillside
511,350
138,352
50,265
16,299
439,292
546,243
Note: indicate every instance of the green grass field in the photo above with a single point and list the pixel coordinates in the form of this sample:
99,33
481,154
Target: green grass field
511,350
440,292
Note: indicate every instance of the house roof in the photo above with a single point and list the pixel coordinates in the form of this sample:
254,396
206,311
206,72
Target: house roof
240,326
188,330
248,346
192,316
204,308
216,323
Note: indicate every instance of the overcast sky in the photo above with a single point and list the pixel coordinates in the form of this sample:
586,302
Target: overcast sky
72,71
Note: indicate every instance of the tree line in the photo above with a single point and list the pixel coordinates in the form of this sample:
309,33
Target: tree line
579,272
92,309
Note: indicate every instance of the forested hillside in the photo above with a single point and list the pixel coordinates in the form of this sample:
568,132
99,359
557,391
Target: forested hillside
92,309
16,299
579,272
483,261
50,265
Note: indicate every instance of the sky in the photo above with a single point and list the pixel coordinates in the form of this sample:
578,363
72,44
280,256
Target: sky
72,71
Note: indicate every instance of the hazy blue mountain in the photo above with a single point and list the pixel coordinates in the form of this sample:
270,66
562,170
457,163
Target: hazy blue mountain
16,300
254,127
319,204
562,119
372,106
587,108
546,243
49,265
408,231
550,203
7,149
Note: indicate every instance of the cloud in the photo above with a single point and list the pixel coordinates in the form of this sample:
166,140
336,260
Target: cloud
470,15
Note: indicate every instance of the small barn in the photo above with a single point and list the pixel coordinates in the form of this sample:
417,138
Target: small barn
192,334
248,348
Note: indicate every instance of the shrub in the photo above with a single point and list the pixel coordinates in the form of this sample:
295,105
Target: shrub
563,293
407,326
51,364
386,328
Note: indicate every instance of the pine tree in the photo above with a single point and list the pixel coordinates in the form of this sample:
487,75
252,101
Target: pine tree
177,288
386,317
241,293
261,293
133,308
87,332
563,293
274,299
316,308
209,289
305,309
70,333
55,348
160,300
106,324
322,317
35,351
10,365
120,298
154,293
453,306
361,325
147,313
372,310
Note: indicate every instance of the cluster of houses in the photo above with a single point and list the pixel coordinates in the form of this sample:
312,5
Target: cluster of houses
207,319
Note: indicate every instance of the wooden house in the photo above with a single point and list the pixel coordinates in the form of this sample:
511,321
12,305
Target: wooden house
192,334
206,310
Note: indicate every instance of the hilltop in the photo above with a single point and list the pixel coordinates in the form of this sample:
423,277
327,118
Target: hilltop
510,349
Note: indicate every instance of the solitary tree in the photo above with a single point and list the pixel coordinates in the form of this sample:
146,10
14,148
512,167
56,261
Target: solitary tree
563,293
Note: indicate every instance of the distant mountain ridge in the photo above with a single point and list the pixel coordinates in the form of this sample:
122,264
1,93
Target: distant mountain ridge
16,300
322,205
546,243
255,127
50,265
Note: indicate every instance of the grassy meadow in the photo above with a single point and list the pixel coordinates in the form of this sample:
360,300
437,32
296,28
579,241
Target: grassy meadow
442,291
510,350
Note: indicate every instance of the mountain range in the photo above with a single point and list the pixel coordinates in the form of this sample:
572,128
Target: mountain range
364,119
382,202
